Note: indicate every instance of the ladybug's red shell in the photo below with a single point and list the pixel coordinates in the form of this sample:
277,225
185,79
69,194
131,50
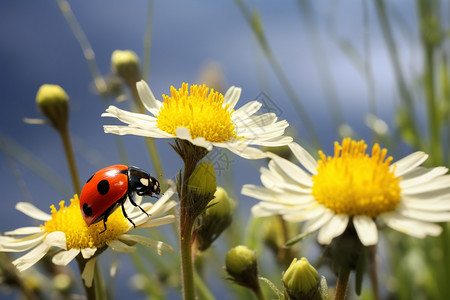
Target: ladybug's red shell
102,191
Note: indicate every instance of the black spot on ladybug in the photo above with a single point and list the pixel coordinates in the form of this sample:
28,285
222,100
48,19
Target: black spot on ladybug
103,187
87,210
90,178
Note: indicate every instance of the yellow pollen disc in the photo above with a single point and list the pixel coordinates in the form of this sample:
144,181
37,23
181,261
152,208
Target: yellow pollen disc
203,114
78,235
354,183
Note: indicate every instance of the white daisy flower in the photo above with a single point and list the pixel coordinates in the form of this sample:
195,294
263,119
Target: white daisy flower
354,186
204,119
66,229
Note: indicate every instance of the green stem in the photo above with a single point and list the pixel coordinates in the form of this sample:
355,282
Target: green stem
187,270
255,24
342,283
203,291
258,293
65,137
91,293
433,119
373,271
148,42
406,96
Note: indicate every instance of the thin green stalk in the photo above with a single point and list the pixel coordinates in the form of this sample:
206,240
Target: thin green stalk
320,58
202,289
187,270
100,290
342,283
406,96
255,24
91,293
65,137
186,224
89,55
425,15
148,42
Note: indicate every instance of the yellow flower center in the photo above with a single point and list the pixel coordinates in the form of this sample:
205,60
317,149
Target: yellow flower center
78,234
354,183
203,114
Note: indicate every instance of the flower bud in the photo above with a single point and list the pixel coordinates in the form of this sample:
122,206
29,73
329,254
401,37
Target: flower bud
203,179
125,63
301,281
201,188
53,102
217,218
241,265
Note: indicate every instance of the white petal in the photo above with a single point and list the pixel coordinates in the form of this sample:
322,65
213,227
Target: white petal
304,157
243,150
409,162
9,244
245,111
317,223
158,246
136,119
335,227
291,170
259,211
88,252
56,238
118,246
366,230
184,134
421,215
88,272
158,221
63,258
25,230
421,175
411,227
149,132
442,182
32,211
231,96
147,97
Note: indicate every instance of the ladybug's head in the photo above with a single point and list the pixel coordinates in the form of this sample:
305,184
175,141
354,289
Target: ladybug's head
142,183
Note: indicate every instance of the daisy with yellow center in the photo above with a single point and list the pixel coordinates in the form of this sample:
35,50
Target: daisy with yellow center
354,186
66,229
205,118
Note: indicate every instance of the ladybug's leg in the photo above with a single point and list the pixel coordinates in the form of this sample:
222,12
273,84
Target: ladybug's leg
125,214
130,196
104,224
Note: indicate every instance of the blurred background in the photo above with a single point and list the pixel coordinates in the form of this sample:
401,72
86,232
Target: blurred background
330,68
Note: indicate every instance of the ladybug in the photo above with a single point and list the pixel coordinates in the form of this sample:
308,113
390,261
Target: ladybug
109,187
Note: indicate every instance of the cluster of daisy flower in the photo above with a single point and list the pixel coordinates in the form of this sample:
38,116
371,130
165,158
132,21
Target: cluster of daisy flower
353,188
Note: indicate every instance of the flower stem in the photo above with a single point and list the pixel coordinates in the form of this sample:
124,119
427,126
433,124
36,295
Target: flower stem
342,283
91,293
65,137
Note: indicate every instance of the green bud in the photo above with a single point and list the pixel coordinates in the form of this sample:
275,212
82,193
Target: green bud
217,218
53,103
201,188
125,63
203,180
301,281
241,265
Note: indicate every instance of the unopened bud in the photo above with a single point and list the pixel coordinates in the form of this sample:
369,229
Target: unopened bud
201,188
217,218
301,281
125,63
53,102
241,265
